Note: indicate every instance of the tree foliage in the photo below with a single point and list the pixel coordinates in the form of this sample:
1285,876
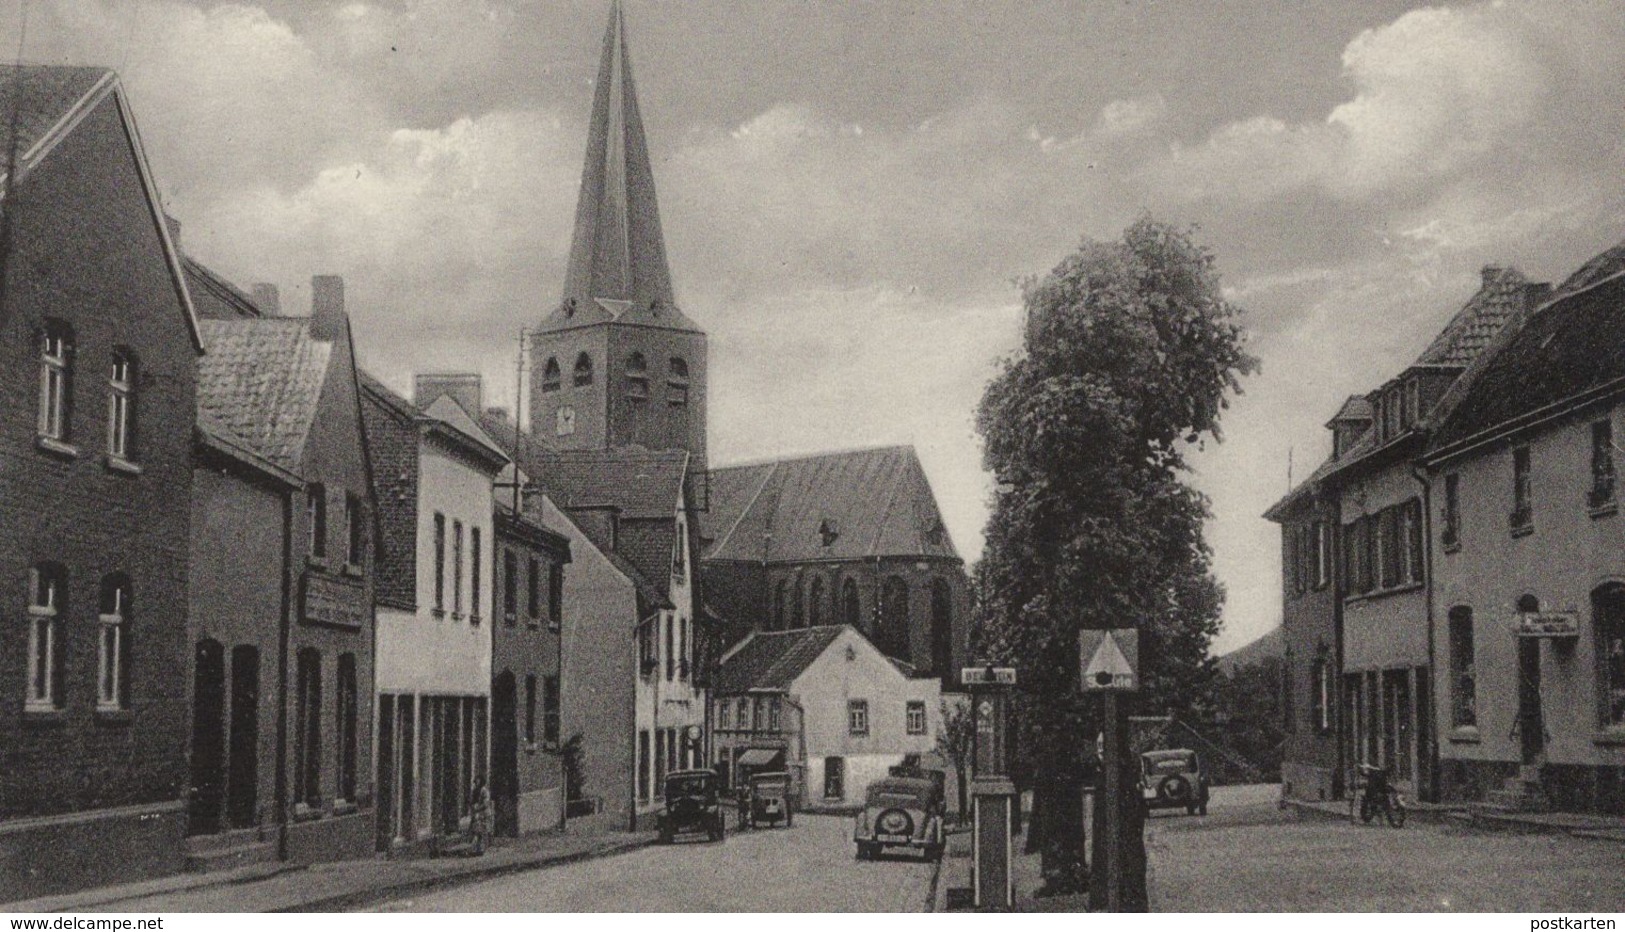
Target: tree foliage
1130,355
956,742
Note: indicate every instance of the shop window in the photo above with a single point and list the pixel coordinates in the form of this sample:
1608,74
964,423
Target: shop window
1463,673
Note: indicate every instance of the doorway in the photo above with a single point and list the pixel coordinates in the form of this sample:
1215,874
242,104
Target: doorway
505,755
208,737
1531,723
242,783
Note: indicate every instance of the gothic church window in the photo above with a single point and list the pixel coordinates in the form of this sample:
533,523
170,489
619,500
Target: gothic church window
583,374
849,603
797,606
551,375
891,629
815,603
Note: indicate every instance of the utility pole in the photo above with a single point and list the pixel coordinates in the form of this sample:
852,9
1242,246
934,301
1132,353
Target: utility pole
1109,664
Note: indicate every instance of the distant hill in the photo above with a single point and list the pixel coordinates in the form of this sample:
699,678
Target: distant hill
1271,644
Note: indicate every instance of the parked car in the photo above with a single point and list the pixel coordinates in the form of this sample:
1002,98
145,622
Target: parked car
692,805
769,800
1174,779
900,812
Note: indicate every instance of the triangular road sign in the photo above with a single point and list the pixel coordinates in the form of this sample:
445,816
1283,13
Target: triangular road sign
1109,659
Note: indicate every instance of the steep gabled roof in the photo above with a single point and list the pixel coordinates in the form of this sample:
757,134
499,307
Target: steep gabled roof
40,105
1571,347
876,503
261,379
771,660
214,297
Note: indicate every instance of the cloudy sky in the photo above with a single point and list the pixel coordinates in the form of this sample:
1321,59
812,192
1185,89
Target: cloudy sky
850,189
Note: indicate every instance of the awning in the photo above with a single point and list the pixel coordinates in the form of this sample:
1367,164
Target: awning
761,757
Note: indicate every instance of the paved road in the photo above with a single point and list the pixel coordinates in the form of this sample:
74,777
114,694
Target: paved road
807,868
1248,855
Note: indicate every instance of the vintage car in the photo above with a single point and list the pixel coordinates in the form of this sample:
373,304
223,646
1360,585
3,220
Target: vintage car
768,800
900,812
692,805
1173,780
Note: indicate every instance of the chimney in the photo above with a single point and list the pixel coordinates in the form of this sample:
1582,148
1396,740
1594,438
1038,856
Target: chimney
173,227
465,388
267,299
327,320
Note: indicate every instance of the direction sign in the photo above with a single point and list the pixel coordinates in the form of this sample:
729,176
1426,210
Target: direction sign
1110,660
988,676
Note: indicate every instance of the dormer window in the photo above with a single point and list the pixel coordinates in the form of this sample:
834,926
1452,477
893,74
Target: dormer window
677,383
829,531
551,376
583,373
637,377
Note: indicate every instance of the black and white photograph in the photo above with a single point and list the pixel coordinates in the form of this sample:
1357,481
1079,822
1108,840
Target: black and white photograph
812,456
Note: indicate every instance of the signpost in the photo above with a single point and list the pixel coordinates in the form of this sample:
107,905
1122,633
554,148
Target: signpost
1109,664
992,793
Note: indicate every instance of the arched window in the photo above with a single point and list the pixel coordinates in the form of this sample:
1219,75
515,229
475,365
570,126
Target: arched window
1608,623
797,605
891,628
781,605
1463,673
48,587
583,374
637,377
55,379
121,406
113,644
551,376
942,627
850,614
677,383
307,771
815,603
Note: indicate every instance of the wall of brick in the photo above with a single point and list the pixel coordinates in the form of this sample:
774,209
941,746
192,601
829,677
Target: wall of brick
524,645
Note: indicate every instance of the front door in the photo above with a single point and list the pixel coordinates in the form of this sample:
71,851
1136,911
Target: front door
1531,724
208,737
242,782
505,755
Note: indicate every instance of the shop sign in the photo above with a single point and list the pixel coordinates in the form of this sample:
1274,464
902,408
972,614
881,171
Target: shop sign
331,601
1549,624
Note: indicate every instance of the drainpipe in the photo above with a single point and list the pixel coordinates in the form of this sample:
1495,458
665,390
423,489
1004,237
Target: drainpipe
1340,734
283,636
1430,726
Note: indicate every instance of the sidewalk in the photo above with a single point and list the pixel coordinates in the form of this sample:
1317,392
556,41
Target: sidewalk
334,886
1579,825
1025,871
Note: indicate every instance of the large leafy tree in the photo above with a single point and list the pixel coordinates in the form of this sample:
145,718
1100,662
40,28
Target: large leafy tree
1130,355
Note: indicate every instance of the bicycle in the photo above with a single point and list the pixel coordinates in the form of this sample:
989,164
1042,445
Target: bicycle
1374,793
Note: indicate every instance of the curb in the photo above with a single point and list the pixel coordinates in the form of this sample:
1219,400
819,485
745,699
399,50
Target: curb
67,903
416,885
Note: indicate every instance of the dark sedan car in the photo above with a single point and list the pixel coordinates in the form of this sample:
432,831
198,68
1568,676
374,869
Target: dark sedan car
692,805
1174,780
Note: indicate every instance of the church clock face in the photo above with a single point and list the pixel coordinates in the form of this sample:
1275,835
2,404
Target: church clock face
566,421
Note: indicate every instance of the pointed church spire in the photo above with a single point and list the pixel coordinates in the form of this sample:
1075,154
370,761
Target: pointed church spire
618,252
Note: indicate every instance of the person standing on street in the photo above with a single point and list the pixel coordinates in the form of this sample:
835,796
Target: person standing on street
479,804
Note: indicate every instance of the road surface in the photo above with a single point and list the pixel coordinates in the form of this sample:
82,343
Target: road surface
809,867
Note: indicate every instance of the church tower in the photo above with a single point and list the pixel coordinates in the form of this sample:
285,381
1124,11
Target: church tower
617,364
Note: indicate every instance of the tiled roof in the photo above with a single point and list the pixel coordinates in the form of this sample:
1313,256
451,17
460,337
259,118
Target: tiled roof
1569,346
876,502
1356,408
1504,294
1602,265
773,659
261,379
641,483
40,96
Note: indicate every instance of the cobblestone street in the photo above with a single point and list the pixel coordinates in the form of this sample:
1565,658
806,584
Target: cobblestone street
1249,855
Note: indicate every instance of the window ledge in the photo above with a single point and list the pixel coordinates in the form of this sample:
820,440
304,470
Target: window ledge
1606,509
1523,530
344,807
474,620
120,464
57,447
533,625
1452,548
1384,593
304,812
438,612
353,569
553,626
1465,734
315,562
456,616
1614,736
41,715
115,716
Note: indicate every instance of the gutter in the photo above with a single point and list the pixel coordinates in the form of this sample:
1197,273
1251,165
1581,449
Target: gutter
1539,416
